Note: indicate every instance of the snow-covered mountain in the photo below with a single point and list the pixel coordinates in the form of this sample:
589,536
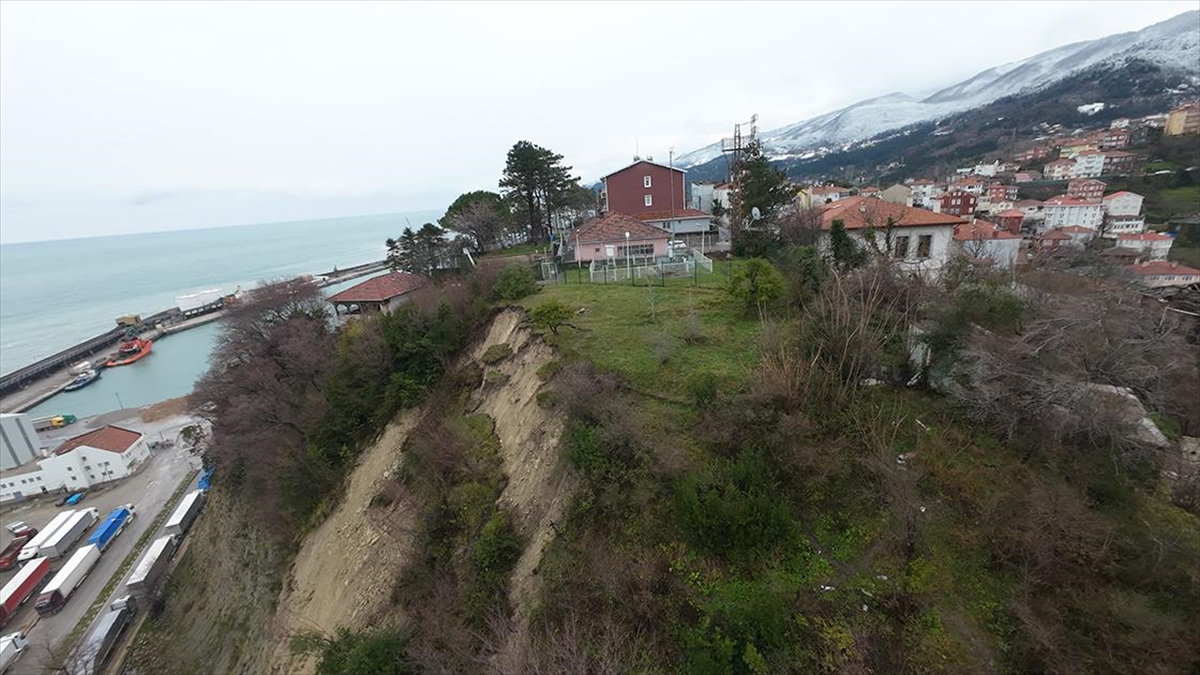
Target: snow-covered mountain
1173,44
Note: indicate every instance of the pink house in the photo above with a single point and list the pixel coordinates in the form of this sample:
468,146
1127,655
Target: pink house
605,237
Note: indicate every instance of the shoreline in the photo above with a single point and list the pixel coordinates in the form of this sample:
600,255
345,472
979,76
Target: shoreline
44,379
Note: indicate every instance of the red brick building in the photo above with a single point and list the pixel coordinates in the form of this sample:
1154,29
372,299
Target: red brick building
1119,162
1086,188
643,186
957,203
1010,220
1112,139
1002,193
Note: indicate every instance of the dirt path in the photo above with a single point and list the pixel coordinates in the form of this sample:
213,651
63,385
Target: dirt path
345,569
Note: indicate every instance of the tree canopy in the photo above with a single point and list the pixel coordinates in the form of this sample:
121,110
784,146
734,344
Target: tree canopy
535,181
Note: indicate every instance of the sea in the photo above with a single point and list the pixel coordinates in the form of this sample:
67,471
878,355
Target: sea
55,294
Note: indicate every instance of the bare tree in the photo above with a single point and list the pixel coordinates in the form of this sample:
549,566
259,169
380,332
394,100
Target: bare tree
483,222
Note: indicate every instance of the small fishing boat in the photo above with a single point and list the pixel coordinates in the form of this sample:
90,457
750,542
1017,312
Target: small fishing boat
82,380
133,350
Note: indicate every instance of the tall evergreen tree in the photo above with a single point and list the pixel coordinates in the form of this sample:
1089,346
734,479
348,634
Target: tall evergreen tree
760,185
402,252
534,180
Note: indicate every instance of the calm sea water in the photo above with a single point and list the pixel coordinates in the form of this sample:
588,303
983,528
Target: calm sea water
56,294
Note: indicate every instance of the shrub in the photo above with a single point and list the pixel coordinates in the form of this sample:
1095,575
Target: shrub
496,353
703,388
756,284
662,346
379,652
733,509
515,282
491,560
550,315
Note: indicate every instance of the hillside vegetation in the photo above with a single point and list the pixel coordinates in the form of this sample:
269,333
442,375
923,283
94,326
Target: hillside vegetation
741,475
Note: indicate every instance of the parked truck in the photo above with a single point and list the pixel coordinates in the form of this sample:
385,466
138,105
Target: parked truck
52,422
62,540
99,645
31,548
19,588
150,568
185,514
113,525
8,557
56,593
11,648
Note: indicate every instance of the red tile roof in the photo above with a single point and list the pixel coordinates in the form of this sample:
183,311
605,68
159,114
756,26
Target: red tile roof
1122,193
1146,236
982,229
668,215
1011,213
381,288
860,212
1163,267
1054,234
1076,229
1118,153
612,226
113,439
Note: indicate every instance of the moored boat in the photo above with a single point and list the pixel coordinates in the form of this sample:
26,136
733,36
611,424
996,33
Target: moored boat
82,380
133,349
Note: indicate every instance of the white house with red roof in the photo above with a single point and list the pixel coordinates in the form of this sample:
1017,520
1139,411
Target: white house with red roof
985,241
1086,188
1123,203
106,454
1064,211
924,192
1152,245
1158,273
1079,235
917,240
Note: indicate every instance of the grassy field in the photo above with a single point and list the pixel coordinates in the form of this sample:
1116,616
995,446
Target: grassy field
657,337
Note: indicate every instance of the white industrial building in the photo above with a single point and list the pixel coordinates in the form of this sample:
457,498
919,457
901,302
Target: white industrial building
19,443
99,456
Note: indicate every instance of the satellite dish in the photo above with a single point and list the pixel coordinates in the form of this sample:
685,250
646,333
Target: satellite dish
755,214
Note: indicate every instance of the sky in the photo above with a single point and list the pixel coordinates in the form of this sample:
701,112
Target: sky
136,117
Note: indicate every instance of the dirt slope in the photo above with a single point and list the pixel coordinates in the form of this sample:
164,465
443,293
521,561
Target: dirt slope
539,486
345,569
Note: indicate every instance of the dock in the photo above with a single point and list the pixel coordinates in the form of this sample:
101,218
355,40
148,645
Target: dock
26,387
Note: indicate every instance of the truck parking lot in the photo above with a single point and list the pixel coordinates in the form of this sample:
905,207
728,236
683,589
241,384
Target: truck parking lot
148,490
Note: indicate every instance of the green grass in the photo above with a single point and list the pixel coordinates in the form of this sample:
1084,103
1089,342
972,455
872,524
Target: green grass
119,575
643,333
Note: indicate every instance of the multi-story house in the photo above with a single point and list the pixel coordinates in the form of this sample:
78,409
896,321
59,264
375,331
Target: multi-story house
1112,139
1064,211
1059,169
924,192
1183,120
1088,164
957,203
1152,245
1086,188
1157,273
1119,162
644,186
1123,203
981,240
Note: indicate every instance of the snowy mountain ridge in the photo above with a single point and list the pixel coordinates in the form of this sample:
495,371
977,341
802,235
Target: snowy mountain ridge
1173,44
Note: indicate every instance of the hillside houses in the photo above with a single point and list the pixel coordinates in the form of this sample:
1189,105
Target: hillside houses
920,240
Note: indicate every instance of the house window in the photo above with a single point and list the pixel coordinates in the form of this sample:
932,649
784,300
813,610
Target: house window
901,251
646,182
638,249
649,200
924,245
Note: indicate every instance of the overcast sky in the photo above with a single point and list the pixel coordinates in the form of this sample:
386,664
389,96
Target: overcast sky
145,116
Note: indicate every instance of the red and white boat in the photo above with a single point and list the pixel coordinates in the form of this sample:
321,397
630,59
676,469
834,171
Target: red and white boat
131,350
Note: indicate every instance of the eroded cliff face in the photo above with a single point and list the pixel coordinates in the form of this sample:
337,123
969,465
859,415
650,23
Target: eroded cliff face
346,569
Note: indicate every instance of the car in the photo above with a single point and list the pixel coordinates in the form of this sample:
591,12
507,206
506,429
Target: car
17,526
75,498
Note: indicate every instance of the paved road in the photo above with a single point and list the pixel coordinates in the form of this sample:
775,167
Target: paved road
148,491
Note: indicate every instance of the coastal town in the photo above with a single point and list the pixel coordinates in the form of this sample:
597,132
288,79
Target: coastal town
754,408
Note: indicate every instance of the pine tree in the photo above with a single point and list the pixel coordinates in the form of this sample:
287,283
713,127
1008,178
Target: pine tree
761,185
534,181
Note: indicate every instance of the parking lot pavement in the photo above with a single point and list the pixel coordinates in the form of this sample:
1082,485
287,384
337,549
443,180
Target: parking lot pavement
148,491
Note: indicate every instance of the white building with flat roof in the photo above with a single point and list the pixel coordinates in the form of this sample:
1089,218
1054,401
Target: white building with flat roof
106,454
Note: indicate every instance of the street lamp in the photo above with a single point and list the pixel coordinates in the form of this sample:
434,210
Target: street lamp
628,266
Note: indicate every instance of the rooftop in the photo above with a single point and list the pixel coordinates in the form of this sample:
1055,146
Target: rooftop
1122,193
981,229
113,439
677,214
1011,213
381,288
612,226
861,212
644,161
1145,236
1162,267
